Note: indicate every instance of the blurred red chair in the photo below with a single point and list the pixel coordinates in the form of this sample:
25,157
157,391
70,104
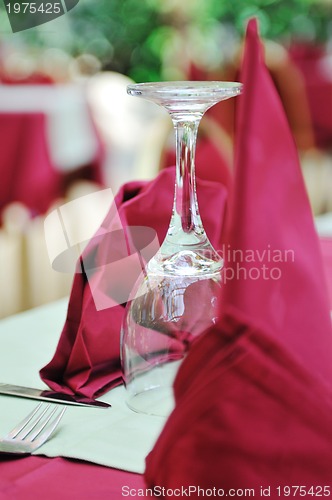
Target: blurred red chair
289,82
315,66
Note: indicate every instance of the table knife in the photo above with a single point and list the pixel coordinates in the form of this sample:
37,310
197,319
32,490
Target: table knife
48,395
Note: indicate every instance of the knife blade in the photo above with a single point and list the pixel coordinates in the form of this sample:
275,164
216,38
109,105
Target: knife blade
51,396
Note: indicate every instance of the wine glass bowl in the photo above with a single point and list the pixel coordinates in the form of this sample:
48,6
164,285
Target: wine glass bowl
175,299
161,322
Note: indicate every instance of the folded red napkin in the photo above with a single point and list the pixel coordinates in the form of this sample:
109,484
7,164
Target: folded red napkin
86,360
253,397
246,416
272,225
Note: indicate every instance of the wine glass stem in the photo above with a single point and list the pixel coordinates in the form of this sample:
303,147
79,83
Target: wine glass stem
185,217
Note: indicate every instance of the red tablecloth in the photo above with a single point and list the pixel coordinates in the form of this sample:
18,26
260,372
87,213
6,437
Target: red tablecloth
35,478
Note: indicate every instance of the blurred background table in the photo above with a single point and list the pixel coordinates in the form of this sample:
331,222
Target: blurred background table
48,140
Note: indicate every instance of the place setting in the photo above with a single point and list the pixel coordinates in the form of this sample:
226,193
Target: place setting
120,429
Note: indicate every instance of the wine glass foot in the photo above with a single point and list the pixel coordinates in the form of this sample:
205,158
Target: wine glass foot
158,401
151,392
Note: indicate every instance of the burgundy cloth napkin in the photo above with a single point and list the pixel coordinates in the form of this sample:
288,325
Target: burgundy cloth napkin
86,360
253,397
27,174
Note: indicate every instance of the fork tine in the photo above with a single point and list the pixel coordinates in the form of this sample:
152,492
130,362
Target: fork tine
41,438
33,431
21,425
43,423
34,423
26,426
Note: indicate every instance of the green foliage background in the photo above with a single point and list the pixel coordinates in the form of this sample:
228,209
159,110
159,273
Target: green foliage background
130,36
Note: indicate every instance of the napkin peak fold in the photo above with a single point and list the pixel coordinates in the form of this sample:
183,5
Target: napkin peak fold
282,288
253,402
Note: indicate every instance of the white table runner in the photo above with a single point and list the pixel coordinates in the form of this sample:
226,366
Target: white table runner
115,437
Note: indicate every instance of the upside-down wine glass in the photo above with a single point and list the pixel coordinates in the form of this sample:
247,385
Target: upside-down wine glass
175,300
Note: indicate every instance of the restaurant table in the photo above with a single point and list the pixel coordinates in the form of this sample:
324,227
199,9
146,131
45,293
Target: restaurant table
69,129
48,140
103,450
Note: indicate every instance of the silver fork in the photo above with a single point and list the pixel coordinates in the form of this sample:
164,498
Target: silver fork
33,431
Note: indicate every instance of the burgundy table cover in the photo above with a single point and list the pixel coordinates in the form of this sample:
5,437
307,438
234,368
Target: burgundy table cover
27,173
35,478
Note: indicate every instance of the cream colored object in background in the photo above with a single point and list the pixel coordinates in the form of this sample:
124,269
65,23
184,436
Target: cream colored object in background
27,278
133,130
